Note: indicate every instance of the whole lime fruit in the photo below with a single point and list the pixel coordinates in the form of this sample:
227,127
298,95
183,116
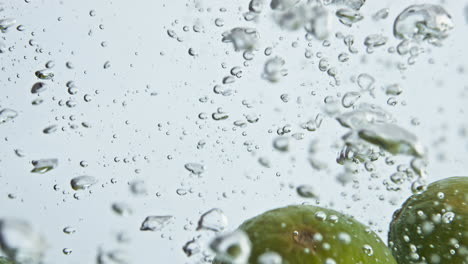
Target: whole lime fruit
432,226
306,234
5,261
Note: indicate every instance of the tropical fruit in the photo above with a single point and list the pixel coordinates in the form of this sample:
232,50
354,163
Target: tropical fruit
305,234
432,227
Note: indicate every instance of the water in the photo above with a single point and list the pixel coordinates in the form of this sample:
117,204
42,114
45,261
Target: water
375,40
392,138
198,115
82,182
7,115
349,17
349,99
6,23
214,220
270,258
112,257
282,5
256,5
355,4
241,38
38,87
306,191
381,14
195,168
363,115
21,242
191,247
122,209
44,165
155,223
426,22
44,74
233,247
274,69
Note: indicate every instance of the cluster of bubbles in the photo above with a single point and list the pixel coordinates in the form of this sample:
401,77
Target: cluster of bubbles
372,133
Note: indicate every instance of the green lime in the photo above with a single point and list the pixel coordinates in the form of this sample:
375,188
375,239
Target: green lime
432,227
307,234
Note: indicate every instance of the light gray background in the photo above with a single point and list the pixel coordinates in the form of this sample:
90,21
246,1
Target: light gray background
233,181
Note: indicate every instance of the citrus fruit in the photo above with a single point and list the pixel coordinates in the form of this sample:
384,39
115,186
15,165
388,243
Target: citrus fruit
305,234
432,226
